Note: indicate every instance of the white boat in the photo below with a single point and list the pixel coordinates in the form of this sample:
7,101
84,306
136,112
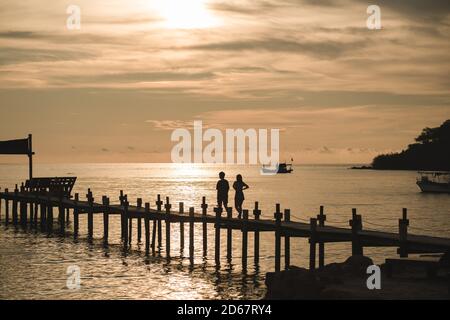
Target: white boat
278,169
434,182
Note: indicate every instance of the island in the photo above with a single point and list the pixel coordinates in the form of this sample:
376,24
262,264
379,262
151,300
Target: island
430,152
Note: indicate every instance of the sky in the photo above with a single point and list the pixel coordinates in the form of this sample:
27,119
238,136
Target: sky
115,89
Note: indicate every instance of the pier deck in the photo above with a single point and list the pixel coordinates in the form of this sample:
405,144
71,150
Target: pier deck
29,208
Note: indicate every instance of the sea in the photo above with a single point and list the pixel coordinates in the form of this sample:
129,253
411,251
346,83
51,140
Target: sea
35,265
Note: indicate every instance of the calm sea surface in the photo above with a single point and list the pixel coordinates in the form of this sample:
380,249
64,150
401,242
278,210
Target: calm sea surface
34,265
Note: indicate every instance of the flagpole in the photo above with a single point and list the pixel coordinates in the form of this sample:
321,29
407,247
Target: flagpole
30,155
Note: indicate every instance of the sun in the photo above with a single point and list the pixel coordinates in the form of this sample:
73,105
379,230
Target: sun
184,14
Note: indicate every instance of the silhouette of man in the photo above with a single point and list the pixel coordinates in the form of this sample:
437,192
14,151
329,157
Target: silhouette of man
222,191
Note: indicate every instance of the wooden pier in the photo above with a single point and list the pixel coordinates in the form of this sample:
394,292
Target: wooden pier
26,208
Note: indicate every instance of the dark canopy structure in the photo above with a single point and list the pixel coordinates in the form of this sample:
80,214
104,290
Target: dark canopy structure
17,147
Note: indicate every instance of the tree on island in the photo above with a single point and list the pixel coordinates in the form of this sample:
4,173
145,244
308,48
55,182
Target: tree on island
430,152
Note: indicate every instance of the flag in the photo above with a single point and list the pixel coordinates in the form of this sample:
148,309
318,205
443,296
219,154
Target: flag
14,147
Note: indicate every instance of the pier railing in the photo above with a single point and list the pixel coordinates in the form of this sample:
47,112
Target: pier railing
26,208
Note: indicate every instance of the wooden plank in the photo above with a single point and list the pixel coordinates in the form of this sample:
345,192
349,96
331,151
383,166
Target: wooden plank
244,239
6,208
181,211
205,227
147,228
403,224
139,221
191,235
168,206
229,235
105,201
257,215
159,204
287,242
312,245
321,218
125,224
75,217
278,216
218,212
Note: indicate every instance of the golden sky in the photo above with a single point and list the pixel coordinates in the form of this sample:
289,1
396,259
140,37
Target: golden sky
113,90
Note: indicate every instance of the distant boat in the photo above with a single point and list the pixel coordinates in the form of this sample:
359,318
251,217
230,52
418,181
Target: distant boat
434,182
281,168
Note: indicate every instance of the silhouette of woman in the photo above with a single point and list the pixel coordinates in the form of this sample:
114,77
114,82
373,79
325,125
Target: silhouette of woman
239,198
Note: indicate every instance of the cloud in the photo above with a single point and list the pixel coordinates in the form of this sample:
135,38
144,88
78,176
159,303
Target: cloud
318,49
429,10
17,34
130,77
243,7
13,55
170,124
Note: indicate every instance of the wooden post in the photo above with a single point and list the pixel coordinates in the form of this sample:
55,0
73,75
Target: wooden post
105,201
139,222
321,218
191,235
90,213
49,215
23,208
159,204
356,224
229,234
14,209
36,211
181,210
23,213
403,224
155,222
244,239
43,215
122,222
257,214
278,215
218,212
31,206
130,229
168,207
125,223
7,207
147,228
121,198
30,156
205,227
312,245
61,217
287,241
67,216
75,216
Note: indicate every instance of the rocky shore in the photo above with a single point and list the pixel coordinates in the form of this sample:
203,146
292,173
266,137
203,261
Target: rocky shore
348,281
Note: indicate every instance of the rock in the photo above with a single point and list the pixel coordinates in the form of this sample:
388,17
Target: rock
300,284
329,280
293,284
357,265
334,269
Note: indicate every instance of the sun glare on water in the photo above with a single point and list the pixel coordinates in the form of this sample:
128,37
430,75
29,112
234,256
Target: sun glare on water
184,14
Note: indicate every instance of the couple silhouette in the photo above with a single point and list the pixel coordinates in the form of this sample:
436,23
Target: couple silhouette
223,187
